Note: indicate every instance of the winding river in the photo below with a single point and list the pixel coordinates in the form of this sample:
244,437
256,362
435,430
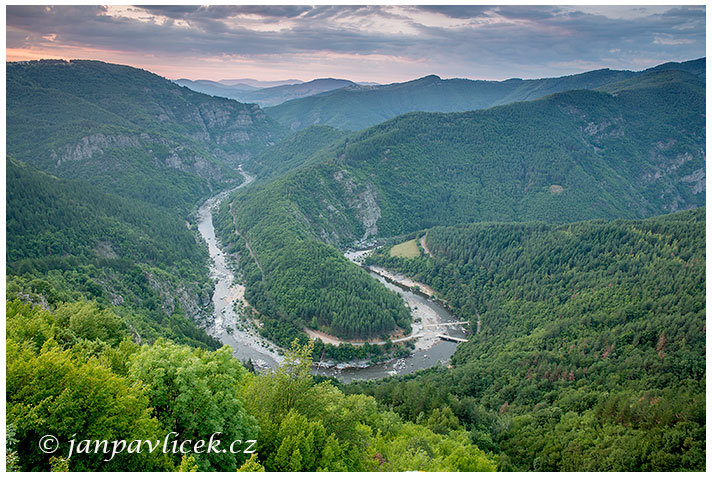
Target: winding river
233,329
230,327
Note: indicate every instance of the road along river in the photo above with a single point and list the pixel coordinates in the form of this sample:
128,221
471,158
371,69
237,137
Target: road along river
233,329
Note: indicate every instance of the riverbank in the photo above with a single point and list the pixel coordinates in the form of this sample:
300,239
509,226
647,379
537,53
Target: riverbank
228,325
232,327
403,280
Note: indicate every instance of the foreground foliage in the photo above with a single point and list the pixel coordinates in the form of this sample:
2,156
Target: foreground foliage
68,241
75,374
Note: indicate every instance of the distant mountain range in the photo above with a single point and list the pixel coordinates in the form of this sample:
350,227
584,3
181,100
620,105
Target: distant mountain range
269,96
259,83
215,88
356,107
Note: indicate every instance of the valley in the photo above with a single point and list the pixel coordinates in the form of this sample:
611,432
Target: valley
234,329
226,324
427,275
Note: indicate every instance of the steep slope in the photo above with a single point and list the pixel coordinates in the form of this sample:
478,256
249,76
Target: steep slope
68,241
129,130
135,154
292,151
570,156
590,353
358,107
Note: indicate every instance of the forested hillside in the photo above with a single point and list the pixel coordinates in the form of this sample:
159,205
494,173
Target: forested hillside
357,107
132,155
130,131
291,152
67,242
296,281
571,156
591,350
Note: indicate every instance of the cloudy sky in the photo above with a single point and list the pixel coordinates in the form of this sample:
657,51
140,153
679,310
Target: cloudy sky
362,43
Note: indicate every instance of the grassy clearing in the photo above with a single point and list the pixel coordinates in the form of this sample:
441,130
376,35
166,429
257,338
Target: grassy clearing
407,250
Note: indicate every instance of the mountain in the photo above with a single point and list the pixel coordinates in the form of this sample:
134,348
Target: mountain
130,131
590,345
357,107
68,241
214,88
696,67
268,96
280,94
292,151
106,163
566,157
258,84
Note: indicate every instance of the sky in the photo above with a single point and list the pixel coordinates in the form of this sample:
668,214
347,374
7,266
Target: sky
379,43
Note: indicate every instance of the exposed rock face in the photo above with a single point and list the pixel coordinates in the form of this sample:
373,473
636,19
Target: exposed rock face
605,128
93,145
361,198
697,180
368,211
189,298
106,250
667,168
178,157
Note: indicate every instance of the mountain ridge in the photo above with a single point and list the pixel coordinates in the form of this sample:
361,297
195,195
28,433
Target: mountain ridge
92,120
355,108
268,96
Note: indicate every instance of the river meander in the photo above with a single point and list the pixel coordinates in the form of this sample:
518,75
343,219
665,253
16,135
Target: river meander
232,329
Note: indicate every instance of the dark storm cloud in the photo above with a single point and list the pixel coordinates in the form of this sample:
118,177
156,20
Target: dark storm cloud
209,35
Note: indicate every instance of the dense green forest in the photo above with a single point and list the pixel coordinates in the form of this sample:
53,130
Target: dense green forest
296,281
132,156
571,156
291,152
591,352
77,358
68,241
130,131
358,107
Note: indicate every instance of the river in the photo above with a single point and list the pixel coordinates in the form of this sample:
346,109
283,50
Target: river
428,317
228,326
232,329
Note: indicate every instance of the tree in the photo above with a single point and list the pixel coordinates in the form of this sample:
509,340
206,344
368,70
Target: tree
194,394
53,393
